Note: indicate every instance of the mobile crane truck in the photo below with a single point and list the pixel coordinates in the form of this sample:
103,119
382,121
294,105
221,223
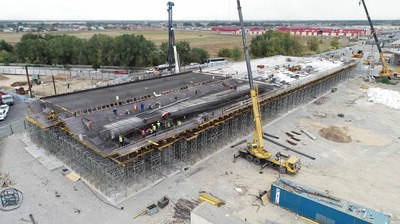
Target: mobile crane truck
255,151
386,72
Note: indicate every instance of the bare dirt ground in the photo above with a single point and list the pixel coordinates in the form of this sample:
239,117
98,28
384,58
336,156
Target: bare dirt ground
363,171
64,84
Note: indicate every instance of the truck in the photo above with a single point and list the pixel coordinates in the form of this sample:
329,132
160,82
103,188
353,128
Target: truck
255,150
7,99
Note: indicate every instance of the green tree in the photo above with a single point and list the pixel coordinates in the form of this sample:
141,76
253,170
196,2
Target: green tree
134,50
32,49
313,44
236,54
199,55
225,52
7,57
6,46
275,43
64,49
335,43
101,49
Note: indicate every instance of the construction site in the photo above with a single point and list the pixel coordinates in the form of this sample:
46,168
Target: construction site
222,143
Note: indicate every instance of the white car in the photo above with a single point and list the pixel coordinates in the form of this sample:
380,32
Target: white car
150,71
4,111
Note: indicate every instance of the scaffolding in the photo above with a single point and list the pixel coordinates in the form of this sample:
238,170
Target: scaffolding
117,177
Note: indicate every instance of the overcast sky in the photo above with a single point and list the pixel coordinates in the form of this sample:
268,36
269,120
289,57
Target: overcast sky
196,9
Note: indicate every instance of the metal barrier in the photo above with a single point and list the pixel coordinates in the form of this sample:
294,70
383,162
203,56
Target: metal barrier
12,128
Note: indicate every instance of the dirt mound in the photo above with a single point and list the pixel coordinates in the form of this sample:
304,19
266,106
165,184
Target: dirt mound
2,77
19,84
336,134
61,76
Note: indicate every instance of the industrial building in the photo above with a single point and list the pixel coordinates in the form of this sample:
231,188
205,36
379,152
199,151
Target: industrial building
168,122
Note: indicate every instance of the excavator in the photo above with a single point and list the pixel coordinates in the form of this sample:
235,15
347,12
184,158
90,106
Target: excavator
386,72
255,151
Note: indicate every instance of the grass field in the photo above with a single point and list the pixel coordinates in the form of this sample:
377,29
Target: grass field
209,41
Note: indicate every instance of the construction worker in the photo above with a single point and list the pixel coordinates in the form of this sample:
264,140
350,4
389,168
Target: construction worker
179,123
150,106
134,107
168,124
158,125
158,104
154,128
143,133
115,111
149,131
121,140
141,106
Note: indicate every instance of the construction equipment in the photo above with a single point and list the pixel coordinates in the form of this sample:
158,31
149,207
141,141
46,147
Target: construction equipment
204,196
386,72
172,52
359,54
255,151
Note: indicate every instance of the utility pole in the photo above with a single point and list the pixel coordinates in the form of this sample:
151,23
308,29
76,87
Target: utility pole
29,82
54,85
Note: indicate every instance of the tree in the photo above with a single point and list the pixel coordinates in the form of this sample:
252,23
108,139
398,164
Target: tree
184,51
6,46
225,52
199,55
32,49
275,43
313,44
7,57
236,54
335,43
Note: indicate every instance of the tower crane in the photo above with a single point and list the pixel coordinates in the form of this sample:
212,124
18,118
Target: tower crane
386,72
255,151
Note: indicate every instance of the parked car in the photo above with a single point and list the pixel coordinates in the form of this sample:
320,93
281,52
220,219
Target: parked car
4,111
7,99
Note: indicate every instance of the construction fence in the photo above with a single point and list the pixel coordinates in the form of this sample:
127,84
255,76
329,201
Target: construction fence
12,128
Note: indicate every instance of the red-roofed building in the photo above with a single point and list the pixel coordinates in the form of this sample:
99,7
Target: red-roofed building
236,30
334,32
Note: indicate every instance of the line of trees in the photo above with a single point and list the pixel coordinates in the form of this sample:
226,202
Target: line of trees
128,50
276,43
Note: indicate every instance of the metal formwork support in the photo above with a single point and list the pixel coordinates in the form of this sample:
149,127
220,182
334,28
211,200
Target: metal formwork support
113,180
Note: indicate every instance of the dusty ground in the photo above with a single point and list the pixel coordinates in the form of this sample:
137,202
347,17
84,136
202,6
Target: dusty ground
363,171
47,89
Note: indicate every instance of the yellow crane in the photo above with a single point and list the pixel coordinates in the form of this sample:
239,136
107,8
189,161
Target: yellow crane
386,72
255,151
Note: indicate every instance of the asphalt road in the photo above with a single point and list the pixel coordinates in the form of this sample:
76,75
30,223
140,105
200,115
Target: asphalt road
17,113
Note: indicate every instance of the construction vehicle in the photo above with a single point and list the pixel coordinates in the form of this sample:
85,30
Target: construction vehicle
255,151
359,54
386,72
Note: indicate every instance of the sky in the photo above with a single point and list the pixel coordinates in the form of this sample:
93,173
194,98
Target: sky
197,9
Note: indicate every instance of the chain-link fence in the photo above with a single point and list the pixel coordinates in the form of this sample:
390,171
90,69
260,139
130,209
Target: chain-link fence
12,128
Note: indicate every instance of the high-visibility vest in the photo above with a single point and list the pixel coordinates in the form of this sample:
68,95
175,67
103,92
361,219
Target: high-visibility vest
120,139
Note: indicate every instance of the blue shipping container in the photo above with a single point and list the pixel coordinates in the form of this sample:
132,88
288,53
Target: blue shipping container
322,207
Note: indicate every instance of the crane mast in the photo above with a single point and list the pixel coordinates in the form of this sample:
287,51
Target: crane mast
385,71
258,143
171,37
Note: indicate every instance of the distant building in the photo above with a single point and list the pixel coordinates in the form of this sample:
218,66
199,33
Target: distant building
236,30
334,32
